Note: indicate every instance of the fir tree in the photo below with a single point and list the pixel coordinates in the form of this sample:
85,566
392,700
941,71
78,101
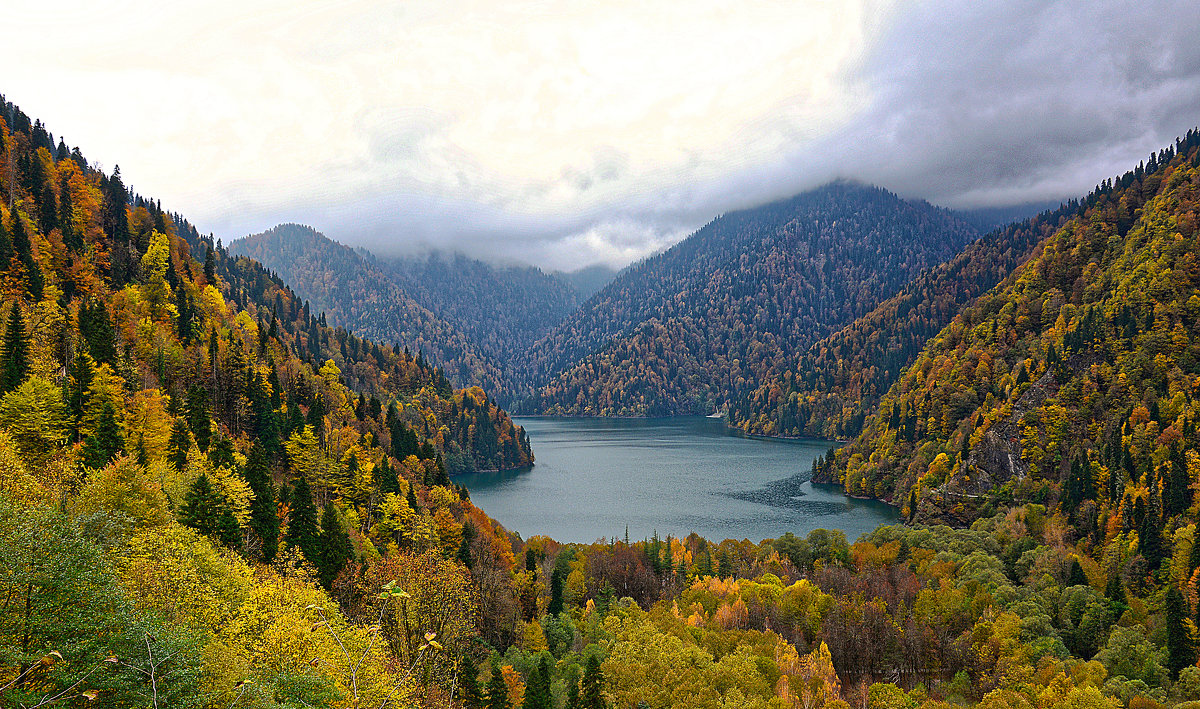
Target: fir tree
103,445
497,690
471,695
334,547
537,688
593,685
264,523
179,444
1181,648
14,357
97,329
229,532
203,508
303,532
197,415
556,590
23,253
210,266
1077,577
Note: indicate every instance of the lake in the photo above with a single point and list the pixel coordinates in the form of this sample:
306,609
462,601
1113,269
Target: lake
674,476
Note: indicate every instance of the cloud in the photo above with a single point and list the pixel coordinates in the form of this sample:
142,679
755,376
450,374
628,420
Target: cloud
595,131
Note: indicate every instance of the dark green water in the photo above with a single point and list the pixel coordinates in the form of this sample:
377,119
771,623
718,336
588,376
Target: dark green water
678,475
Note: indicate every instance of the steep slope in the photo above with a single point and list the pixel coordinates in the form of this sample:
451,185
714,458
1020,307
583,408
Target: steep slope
588,280
501,310
194,469
1073,382
839,380
355,293
684,330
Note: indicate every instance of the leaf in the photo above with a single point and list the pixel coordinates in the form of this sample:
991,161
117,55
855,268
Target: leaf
90,695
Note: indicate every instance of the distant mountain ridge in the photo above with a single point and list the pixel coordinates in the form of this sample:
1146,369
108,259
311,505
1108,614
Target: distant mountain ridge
682,331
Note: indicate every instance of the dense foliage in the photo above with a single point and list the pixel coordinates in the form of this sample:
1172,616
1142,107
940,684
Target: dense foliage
683,331
1073,383
355,293
838,381
502,310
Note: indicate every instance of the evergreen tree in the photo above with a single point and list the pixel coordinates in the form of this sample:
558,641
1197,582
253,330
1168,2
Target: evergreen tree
220,453
179,444
574,701
470,693
203,508
593,685
556,590
1181,648
23,253
1077,577
497,690
302,531
97,329
197,415
229,532
103,445
14,357
537,688
464,547
335,548
263,520
210,267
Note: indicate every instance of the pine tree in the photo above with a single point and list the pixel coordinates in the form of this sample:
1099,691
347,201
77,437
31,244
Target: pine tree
497,690
23,253
1077,577
229,532
97,329
179,444
556,590
593,685
210,267
203,507
472,697
537,688
263,520
103,445
335,548
1181,648
197,415
302,531
14,357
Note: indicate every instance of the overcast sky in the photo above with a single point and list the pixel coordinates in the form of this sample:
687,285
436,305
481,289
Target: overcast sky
570,133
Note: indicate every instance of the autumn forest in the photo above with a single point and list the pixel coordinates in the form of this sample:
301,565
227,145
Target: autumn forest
231,469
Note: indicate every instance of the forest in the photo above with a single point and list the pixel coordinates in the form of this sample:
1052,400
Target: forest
212,496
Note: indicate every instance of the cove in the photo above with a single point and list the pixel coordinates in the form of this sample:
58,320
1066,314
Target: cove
592,477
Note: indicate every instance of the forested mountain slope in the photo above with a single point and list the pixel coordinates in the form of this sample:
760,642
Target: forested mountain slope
355,293
838,381
1074,382
502,310
190,461
682,331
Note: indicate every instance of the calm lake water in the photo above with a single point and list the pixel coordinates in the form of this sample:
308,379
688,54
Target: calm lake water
677,475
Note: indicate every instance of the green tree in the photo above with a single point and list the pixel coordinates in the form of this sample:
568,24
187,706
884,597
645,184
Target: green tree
302,531
497,690
593,685
179,444
202,507
472,695
335,547
264,522
1181,648
537,688
14,357
97,330
103,445
23,254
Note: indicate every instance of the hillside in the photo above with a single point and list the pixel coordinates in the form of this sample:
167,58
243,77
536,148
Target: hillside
832,387
1071,383
501,310
355,293
182,439
588,280
682,331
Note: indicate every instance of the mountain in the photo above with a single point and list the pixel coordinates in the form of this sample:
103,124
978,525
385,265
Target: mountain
587,280
195,468
356,293
838,381
502,310
683,331
1071,383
